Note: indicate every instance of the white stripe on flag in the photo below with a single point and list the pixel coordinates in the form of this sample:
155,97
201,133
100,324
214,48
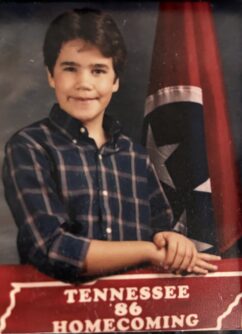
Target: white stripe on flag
173,94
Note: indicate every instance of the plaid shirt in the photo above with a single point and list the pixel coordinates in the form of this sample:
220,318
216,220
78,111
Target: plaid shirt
63,191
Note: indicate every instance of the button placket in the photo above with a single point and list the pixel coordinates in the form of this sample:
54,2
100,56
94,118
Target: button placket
103,191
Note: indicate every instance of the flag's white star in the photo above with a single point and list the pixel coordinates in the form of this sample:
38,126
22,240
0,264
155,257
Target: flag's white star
201,246
159,155
204,187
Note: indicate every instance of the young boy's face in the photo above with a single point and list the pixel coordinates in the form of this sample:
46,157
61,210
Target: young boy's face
84,81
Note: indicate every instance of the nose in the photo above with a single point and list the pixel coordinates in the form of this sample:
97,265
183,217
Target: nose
83,80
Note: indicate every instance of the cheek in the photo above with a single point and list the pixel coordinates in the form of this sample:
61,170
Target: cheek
62,85
106,88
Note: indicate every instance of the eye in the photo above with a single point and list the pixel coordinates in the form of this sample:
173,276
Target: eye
70,69
98,71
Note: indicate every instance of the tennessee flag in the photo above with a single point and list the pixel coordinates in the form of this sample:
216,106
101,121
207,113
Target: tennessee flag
186,127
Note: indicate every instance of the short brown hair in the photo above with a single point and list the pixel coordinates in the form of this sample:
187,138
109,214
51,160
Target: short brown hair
91,25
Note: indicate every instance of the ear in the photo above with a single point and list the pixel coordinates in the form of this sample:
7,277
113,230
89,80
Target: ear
116,85
50,78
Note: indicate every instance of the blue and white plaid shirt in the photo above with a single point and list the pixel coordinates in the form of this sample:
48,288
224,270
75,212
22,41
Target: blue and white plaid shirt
63,191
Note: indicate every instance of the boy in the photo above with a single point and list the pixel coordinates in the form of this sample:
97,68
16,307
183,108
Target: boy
85,198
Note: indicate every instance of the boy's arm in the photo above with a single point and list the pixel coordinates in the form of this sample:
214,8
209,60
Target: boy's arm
44,236
107,256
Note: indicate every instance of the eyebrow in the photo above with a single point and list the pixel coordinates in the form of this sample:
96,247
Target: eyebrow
72,63
69,63
101,66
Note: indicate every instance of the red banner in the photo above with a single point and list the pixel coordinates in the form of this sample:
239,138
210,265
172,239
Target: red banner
142,300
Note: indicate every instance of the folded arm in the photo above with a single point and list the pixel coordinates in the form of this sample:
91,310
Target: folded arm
44,239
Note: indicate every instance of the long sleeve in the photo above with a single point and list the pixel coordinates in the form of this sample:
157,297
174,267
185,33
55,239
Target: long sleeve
40,214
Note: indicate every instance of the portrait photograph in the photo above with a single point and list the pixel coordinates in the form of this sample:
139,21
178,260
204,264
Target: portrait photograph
121,166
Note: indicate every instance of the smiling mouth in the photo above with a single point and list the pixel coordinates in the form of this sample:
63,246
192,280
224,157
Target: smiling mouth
83,99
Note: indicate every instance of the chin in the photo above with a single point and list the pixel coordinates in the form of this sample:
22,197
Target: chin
81,114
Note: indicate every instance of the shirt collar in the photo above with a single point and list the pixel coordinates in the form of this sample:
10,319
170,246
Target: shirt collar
71,126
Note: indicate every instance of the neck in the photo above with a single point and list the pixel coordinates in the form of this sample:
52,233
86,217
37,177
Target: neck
97,133
100,138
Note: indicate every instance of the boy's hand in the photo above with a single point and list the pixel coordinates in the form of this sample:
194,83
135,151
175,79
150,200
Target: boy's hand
181,253
202,265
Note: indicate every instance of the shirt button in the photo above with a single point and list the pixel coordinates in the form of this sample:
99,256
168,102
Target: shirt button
82,130
108,230
74,141
105,193
100,156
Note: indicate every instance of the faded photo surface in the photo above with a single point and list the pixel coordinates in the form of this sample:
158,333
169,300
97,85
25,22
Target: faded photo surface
26,98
